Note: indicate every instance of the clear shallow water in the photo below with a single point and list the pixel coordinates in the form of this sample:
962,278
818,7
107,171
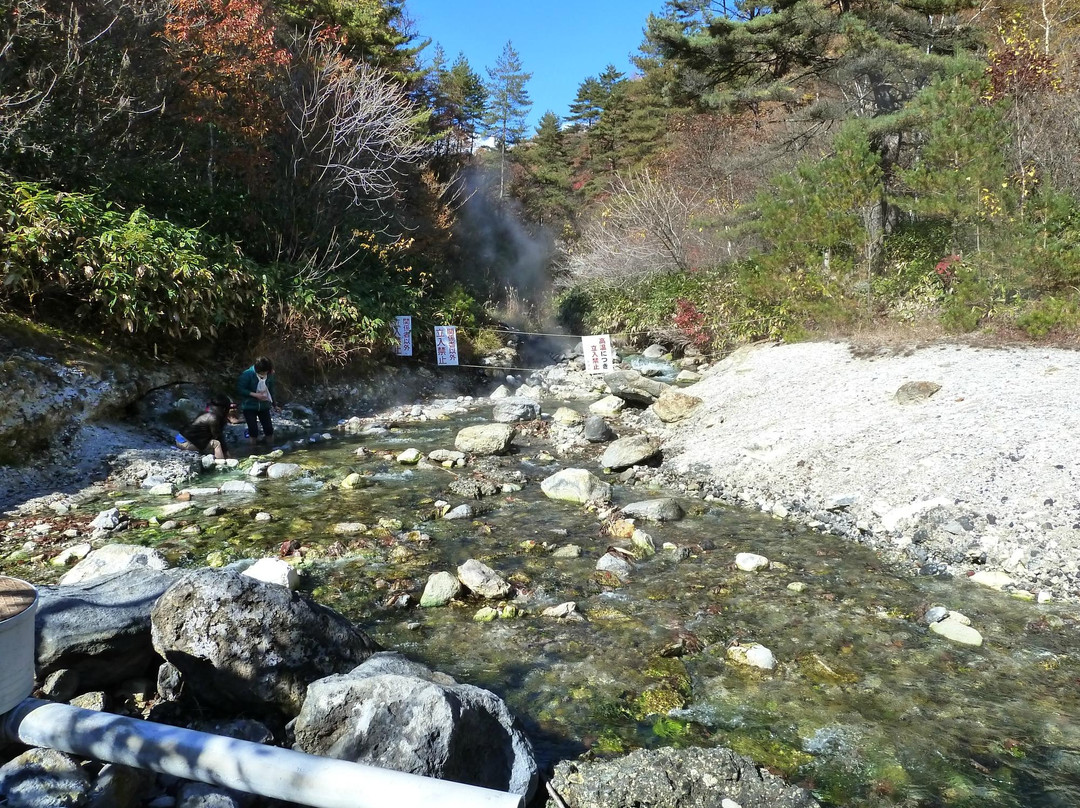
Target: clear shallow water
866,706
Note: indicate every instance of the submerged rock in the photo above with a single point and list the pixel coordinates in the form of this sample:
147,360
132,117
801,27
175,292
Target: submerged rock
674,778
478,577
666,509
753,654
576,485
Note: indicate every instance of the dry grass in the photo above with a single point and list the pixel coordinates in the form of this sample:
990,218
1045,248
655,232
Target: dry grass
885,337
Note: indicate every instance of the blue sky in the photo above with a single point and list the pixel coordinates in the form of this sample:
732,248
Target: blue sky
561,42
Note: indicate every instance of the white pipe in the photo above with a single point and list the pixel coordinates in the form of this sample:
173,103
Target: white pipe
268,771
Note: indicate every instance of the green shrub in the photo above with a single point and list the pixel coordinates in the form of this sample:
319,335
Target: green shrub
127,273
1047,315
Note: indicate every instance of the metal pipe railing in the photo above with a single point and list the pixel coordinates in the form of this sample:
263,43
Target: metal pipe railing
267,771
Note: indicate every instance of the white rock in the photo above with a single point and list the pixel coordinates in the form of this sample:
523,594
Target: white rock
893,518
114,558
754,655
74,553
238,487
751,562
957,632
994,579
410,457
560,611
274,571
107,520
609,405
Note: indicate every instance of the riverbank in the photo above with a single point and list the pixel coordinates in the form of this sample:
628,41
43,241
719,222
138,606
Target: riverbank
975,472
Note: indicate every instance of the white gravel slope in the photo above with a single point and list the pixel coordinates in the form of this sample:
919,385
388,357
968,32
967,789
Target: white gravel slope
982,475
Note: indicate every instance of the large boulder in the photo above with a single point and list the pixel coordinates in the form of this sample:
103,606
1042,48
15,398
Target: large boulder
114,558
99,628
238,642
576,485
399,715
673,405
634,450
629,385
675,778
485,439
510,410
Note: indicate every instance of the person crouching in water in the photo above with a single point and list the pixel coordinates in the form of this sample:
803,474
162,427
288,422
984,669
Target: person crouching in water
206,434
257,390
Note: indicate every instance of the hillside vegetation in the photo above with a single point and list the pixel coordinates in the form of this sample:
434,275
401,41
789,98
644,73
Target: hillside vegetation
185,175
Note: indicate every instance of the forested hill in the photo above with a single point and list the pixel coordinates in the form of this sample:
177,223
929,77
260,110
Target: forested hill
289,176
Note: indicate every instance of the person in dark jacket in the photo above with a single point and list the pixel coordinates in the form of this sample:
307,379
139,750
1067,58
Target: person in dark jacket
258,391
206,434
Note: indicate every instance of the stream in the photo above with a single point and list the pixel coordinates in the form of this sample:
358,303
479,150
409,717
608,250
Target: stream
866,706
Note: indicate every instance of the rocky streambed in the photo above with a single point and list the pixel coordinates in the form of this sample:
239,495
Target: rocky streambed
619,594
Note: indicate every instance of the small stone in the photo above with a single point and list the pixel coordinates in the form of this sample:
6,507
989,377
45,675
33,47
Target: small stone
957,632
107,520
410,457
751,562
754,654
993,578
263,516
560,611
936,614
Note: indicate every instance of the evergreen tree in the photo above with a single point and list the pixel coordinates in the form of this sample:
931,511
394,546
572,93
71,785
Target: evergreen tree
833,61
466,99
508,105
587,105
546,193
375,32
862,57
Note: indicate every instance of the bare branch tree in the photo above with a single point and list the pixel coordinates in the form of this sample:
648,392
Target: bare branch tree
354,128
646,229
350,143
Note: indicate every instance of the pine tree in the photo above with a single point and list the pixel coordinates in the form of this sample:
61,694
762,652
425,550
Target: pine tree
587,105
375,32
508,105
862,57
546,195
466,98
